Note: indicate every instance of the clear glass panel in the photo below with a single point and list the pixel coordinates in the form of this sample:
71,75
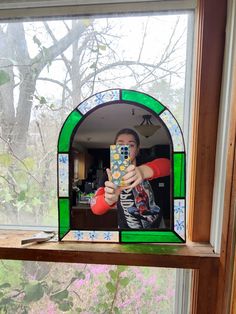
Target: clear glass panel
32,287
48,67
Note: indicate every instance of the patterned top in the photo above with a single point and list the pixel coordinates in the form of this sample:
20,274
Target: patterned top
136,208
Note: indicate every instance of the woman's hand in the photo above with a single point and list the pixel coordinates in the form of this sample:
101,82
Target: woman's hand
133,177
112,192
136,175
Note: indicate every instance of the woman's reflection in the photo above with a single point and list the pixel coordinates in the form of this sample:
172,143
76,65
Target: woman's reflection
136,207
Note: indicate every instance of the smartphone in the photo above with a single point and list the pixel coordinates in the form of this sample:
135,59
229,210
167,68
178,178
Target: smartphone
119,161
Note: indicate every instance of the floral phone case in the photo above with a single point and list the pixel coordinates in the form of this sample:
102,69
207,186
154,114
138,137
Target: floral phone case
119,161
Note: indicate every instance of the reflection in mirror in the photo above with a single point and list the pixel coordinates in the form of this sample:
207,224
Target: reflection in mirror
151,202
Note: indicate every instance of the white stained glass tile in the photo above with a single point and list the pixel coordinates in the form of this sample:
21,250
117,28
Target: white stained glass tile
174,130
179,217
92,236
98,99
63,168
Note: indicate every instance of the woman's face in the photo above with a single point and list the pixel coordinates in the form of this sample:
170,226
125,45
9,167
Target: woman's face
128,139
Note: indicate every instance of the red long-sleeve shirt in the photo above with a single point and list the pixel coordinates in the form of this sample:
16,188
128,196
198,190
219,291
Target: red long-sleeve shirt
160,167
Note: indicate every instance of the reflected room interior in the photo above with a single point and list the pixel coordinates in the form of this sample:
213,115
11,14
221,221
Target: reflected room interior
90,156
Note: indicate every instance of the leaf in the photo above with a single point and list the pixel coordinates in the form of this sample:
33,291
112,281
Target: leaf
5,301
29,163
102,47
59,295
87,22
42,100
80,275
124,281
33,292
5,160
37,41
8,197
93,65
4,77
65,306
121,268
5,285
36,201
111,288
113,274
21,196
116,310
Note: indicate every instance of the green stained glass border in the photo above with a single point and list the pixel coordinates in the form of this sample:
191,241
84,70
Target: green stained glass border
150,236
64,216
143,99
67,130
179,174
179,163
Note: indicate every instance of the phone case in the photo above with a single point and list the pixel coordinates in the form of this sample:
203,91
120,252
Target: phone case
119,161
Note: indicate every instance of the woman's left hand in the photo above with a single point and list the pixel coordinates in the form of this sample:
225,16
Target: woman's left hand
133,177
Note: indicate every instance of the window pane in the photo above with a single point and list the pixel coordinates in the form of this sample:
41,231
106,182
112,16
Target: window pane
48,67
32,287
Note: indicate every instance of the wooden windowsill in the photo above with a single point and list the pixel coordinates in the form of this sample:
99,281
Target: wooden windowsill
197,256
189,255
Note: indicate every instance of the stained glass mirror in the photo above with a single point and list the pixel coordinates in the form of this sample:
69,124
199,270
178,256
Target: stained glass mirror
83,156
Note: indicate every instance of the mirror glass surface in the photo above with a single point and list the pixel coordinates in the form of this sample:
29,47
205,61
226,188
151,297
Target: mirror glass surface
90,156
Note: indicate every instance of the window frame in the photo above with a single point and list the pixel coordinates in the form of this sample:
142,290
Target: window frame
210,41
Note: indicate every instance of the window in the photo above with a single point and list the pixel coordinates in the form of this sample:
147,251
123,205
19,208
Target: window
50,65
209,41
85,288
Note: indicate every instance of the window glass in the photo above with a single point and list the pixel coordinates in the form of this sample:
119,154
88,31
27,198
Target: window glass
32,287
48,67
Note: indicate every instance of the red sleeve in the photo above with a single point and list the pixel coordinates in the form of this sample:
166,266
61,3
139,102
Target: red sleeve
160,167
98,204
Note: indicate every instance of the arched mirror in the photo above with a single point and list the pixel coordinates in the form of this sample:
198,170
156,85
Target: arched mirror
84,155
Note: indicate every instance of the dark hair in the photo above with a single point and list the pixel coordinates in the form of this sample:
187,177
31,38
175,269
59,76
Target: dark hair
131,132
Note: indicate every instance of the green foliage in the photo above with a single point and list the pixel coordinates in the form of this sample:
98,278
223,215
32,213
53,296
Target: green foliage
5,160
70,288
25,184
33,291
4,77
37,41
13,270
29,291
111,287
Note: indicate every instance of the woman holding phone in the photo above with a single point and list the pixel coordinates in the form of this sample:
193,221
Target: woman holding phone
134,201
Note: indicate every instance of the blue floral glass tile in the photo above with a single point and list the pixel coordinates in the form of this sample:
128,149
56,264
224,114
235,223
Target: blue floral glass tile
107,235
92,235
174,130
98,99
79,235
179,217
63,167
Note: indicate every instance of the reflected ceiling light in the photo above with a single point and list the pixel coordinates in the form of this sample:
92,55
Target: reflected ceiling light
146,128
